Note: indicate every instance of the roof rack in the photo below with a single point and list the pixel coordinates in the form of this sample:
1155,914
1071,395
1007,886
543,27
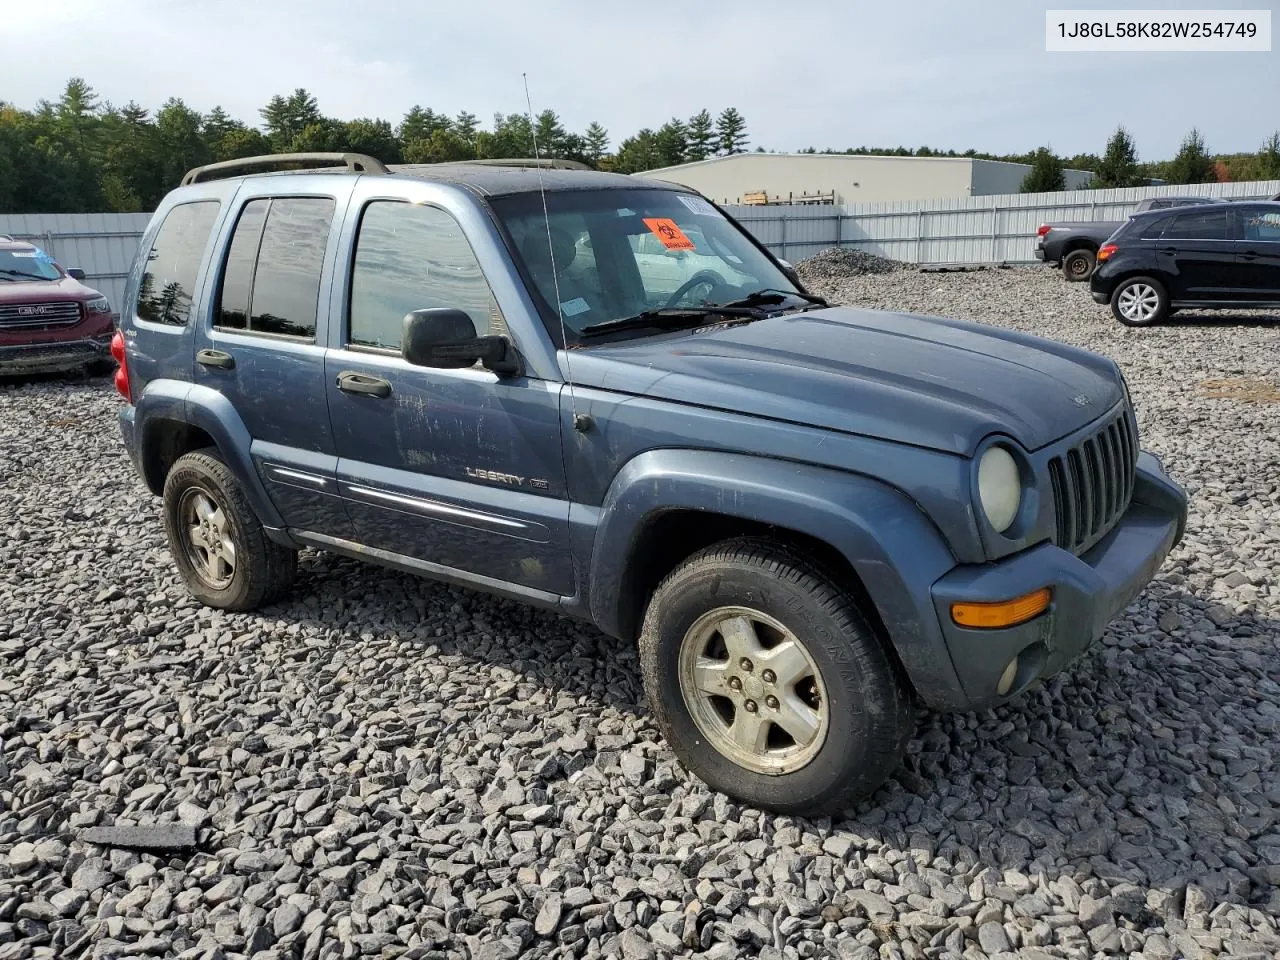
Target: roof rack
5,238
354,162
550,163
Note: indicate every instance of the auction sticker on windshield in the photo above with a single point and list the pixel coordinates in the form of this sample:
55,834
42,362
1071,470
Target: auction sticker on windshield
672,236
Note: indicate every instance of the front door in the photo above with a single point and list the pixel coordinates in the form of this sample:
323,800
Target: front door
1260,251
259,349
457,469
1197,251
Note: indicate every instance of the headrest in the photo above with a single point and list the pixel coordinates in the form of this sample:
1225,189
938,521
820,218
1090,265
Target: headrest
538,257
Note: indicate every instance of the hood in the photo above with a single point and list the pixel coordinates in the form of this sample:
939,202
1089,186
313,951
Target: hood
45,291
930,382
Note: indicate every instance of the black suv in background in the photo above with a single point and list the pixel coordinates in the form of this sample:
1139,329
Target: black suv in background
1215,256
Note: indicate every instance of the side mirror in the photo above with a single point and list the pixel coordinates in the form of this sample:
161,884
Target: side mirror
446,338
75,273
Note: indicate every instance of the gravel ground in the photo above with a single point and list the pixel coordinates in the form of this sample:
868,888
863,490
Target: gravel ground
387,767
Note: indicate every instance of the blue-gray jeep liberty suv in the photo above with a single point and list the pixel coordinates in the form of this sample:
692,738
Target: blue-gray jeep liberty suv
601,395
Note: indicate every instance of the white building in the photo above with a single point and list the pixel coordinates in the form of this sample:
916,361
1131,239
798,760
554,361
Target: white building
847,178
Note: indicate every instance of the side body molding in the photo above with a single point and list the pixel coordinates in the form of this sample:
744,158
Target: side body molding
889,542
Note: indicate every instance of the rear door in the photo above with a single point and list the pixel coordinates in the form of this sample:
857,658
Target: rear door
261,346
1197,252
457,470
1260,251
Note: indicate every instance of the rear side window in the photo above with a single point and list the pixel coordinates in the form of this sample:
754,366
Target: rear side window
1154,227
411,257
1206,225
169,279
271,283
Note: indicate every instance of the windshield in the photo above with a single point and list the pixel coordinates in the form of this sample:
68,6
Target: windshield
619,253
26,265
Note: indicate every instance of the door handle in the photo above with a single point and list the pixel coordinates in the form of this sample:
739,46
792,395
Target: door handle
215,358
351,382
1250,255
1167,250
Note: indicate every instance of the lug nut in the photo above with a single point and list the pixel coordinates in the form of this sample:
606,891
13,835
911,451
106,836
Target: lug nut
771,702
768,676
735,683
750,706
745,664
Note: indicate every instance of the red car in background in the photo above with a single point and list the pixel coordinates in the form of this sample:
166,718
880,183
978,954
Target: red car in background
49,320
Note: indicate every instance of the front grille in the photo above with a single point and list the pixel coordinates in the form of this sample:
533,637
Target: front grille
1093,483
27,316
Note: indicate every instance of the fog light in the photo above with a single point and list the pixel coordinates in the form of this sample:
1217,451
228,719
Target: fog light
1005,683
1006,613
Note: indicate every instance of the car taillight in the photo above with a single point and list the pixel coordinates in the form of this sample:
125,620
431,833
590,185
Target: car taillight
122,368
1106,250
1043,229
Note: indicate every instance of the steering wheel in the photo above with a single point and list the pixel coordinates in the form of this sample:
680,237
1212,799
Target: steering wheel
708,277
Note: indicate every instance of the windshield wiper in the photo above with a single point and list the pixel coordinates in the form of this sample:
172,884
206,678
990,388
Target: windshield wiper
673,318
775,295
21,273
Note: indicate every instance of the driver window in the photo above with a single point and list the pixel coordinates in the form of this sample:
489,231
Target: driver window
412,257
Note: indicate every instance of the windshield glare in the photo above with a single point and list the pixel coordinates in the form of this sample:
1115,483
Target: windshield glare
24,265
618,253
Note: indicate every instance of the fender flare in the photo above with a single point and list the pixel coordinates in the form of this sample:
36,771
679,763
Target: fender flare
198,406
893,547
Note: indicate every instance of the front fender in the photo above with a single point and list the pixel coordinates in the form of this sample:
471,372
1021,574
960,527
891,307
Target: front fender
197,406
893,547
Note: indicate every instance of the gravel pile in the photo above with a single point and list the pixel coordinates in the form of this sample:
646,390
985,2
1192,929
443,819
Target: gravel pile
835,264
386,767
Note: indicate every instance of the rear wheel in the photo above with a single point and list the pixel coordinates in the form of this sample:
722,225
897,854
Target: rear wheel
1078,265
1140,302
218,543
768,683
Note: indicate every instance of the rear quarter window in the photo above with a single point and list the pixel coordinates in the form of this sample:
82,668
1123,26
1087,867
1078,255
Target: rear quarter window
173,263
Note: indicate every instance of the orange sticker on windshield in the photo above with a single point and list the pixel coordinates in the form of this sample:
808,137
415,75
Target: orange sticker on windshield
665,229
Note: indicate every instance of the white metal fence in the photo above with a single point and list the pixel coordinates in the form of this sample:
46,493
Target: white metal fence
990,229
963,230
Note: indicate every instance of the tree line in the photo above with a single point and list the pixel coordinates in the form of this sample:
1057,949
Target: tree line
78,154
1119,167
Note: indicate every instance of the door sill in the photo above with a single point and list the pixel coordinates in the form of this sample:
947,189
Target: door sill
425,568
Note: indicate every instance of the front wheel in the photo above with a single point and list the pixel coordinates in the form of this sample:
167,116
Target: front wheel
1140,302
768,683
218,543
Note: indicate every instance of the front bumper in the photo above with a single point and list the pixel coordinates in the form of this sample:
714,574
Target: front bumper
54,357
1088,591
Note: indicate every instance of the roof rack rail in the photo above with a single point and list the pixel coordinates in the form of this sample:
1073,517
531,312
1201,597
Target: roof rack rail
550,163
5,238
354,162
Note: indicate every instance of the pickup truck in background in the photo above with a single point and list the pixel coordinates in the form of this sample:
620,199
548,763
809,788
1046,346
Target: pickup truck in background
1074,246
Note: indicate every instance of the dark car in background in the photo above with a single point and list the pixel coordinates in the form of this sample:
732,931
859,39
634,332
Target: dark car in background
49,320
1074,246
1215,256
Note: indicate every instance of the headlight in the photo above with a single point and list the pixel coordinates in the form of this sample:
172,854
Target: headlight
999,487
100,305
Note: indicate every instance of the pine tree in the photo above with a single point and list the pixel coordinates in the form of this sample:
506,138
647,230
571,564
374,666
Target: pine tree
1269,158
1119,165
672,143
286,117
466,126
597,143
702,136
731,131
550,134
1193,163
1046,173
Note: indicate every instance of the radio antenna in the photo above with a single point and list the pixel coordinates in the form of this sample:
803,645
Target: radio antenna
551,249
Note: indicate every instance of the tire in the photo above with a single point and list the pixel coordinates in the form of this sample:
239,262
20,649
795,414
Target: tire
1140,302
200,492
1078,265
849,744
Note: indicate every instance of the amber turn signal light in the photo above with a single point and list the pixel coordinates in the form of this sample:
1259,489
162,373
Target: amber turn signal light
1007,613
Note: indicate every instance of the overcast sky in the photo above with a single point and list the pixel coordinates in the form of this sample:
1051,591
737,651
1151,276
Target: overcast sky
822,73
